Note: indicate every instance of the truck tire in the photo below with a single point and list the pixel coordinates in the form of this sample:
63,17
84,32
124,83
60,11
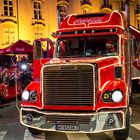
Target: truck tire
124,133
1,100
34,131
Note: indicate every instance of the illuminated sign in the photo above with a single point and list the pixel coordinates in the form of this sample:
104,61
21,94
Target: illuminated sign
88,20
19,49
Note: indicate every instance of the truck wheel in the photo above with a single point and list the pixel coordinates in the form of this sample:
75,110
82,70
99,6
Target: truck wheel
0,101
124,133
130,98
34,131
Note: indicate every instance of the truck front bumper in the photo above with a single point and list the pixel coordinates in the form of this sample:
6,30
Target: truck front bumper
73,121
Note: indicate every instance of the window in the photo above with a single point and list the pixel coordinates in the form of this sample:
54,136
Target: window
37,10
38,31
138,24
135,47
38,34
8,7
9,36
122,7
62,12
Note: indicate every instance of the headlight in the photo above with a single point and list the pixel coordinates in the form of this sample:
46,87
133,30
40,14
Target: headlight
106,96
29,96
25,95
33,95
117,96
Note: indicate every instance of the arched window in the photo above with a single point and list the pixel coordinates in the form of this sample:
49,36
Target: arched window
62,10
122,7
37,10
8,33
8,7
85,6
106,5
138,24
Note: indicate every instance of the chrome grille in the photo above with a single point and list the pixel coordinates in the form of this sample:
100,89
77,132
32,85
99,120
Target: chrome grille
70,85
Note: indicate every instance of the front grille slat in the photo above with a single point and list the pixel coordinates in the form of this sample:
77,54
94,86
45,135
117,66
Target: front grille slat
68,85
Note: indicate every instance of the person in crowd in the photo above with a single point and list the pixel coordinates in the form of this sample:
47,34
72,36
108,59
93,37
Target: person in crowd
14,58
23,59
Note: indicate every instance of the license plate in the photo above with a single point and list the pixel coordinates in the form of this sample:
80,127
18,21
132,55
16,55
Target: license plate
67,127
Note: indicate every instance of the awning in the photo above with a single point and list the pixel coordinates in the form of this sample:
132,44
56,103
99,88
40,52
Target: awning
19,47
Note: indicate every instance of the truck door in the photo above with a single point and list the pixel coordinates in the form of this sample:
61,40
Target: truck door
135,67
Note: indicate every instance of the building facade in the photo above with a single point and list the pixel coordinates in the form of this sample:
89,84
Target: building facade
32,19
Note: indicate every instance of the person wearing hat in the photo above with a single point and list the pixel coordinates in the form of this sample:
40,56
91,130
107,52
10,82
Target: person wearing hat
110,47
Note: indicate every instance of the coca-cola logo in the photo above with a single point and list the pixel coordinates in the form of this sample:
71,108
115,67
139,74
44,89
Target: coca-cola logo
1,51
19,49
88,20
8,50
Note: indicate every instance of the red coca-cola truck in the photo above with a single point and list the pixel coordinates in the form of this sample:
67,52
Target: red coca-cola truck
86,86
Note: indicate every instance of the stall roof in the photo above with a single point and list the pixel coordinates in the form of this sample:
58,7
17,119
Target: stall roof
19,47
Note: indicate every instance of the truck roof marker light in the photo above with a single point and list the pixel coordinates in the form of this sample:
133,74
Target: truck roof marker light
58,33
76,32
117,96
84,32
92,31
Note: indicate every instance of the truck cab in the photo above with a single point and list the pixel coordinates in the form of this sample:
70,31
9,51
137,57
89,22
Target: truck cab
85,87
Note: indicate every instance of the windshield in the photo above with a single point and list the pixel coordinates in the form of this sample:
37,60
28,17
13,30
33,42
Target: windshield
87,46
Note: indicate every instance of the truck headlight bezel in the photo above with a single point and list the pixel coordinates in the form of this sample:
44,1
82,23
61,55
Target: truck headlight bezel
112,96
29,96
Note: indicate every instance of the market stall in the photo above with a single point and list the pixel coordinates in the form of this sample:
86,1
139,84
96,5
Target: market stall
11,60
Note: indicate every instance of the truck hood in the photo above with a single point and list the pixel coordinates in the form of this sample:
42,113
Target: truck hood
100,61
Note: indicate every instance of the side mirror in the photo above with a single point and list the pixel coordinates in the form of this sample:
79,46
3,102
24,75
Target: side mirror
37,50
49,47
